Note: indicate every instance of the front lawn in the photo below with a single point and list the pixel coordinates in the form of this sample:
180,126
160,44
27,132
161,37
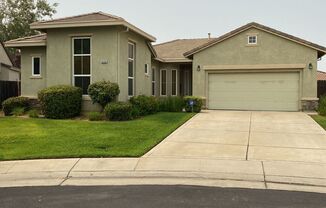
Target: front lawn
321,120
27,138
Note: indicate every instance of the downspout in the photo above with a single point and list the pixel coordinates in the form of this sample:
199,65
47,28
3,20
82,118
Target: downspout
118,51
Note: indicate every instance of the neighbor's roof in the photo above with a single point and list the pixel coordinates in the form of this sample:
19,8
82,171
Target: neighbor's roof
173,51
321,75
6,54
91,19
35,40
321,50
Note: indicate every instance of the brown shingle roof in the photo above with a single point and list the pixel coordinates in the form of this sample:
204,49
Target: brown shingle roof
95,16
321,50
321,75
174,50
34,40
90,19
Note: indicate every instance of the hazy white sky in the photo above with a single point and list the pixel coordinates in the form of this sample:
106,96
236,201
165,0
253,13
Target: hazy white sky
173,19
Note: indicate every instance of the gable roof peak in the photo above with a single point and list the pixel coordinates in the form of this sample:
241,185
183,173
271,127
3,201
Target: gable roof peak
320,49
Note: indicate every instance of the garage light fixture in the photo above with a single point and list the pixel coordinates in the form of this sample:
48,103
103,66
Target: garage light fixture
198,68
310,66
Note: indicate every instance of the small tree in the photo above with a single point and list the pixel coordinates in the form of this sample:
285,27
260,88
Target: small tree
103,92
16,15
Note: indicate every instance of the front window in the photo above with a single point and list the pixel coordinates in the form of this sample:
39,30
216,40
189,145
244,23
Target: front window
82,63
36,66
146,69
163,82
252,40
174,82
131,68
153,82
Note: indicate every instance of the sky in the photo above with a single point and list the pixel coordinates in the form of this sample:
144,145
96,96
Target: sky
178,19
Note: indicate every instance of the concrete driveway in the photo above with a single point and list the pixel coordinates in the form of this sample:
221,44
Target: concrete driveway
246,135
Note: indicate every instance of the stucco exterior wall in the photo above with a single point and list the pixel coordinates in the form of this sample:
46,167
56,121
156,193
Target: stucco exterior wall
31,85
59,54
7,74
270,50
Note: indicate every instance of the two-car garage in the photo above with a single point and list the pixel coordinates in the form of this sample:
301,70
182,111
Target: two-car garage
277,91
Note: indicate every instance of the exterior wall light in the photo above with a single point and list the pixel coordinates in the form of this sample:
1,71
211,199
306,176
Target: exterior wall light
198,68
310,66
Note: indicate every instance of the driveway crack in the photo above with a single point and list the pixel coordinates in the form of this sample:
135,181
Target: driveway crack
249,136
262,165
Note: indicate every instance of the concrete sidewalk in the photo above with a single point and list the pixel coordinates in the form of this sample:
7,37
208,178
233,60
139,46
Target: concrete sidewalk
162,171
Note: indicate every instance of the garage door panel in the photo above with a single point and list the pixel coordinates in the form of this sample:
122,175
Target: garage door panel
254,91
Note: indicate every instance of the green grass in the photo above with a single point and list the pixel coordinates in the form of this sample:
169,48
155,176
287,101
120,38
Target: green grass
321,120
29,138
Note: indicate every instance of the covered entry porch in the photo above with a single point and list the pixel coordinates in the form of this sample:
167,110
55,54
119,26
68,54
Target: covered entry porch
172,80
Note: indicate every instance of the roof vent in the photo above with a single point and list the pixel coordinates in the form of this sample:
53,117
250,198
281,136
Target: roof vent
209,35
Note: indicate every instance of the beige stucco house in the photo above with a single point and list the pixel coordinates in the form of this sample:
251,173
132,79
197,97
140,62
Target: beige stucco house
251,68
8,72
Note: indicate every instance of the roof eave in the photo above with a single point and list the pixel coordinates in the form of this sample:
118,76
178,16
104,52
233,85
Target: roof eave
24,44
51,25
174,60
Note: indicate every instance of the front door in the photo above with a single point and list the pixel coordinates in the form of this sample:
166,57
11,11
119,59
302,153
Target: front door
186,83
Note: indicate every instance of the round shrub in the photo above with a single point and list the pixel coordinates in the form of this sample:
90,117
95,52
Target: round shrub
103,92
61,101
118,111
14,102
144,104
197,104
322,106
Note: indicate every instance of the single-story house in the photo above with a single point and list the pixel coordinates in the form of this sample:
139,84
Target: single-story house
253,67
321,75
8,70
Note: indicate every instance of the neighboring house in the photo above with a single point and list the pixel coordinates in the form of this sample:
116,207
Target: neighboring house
8,72
251,68
321,75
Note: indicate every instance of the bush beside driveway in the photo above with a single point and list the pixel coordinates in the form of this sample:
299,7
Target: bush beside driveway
27,138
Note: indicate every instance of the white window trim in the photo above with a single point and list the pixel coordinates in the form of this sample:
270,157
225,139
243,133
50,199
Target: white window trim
133,68
250,36
153,82
73,60
176,82
161,71
36,75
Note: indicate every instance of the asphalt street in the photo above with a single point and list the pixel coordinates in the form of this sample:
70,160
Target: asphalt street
154,196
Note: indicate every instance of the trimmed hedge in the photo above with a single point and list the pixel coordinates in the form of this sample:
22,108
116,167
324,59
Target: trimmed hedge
119,111
197,104
15,102
322,106
61,101
103,92
144,105
171,104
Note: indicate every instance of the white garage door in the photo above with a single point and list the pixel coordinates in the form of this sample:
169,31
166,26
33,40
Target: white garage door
254,91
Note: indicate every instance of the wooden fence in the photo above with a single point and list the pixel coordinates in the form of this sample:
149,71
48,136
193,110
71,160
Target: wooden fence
9,89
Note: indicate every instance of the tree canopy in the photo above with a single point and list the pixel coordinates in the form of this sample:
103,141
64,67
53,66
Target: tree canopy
16,15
